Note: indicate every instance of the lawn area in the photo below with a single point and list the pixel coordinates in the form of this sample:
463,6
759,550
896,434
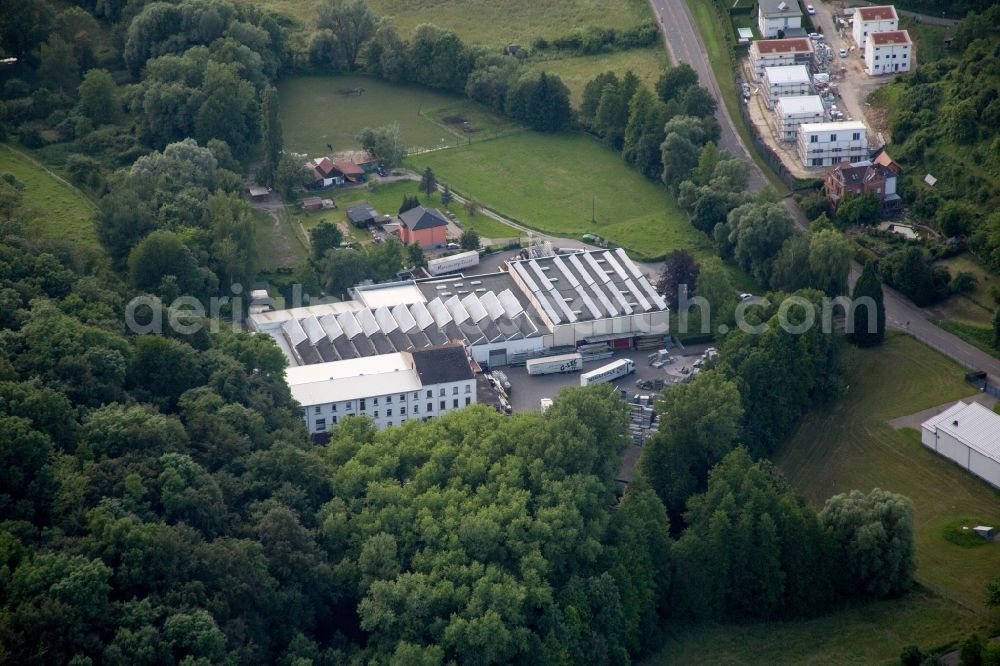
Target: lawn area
969,316
59,210
848,445
576,71
866,634
551,181
314,113
487,22
713,35
928,39
281,243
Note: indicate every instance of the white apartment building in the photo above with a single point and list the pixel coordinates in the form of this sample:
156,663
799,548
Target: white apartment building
888,52
778,15
827,144
869,20
389,388
766,53
786,81
794,111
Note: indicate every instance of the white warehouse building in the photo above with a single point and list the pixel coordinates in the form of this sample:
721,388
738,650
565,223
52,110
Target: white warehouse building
539,303
787,81
869,20
388,388
827,144
969,435
888,53
794,111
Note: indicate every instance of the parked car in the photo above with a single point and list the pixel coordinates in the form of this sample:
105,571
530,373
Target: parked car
453,246
810,10
843,53
381,171
815,36
745,297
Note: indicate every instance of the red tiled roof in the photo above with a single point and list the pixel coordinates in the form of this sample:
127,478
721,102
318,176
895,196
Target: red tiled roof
322,166
891,37
883,13
886,161
795,45
348,168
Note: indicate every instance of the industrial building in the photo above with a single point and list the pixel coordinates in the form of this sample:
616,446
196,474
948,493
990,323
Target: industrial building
826,144
779,53
888,52
786,81
969,435
794,111
869,20
503,317
388,388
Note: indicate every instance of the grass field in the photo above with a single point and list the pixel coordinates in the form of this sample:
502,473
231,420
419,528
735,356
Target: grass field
314,113
848,445
576,71
928,39
59,211
712,34
551,182
866,634
487,22
282,243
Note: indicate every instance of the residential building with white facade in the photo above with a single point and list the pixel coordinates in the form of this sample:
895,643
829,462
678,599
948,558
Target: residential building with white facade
826,144
888,52
766,53
388,388
778,16
869,20
786,81
798,110
968,434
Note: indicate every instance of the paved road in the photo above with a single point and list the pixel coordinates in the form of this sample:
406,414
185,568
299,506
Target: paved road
684,43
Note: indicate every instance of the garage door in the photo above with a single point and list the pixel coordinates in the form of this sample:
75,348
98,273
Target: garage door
498,358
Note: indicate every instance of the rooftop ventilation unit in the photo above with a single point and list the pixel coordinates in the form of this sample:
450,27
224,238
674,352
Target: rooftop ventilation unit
476,282
445,293
463,291
480,291
441,287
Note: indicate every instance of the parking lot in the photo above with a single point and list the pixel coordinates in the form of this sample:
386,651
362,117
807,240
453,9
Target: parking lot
527,392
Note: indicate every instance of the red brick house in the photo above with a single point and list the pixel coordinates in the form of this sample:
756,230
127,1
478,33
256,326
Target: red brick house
423,226
857,179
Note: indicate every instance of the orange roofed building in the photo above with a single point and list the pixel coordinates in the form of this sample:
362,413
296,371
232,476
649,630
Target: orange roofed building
425,227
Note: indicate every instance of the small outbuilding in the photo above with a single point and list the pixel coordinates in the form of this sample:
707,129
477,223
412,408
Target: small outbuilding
362,214
259,192
312,203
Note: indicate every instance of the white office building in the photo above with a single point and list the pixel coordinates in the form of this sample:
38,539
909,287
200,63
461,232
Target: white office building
799,110
888,53
969,435
787,81
778,16
869,20
827,144
766,53
389,388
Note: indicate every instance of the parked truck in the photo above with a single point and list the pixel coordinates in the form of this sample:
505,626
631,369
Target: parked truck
455,262
548,365
609,372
